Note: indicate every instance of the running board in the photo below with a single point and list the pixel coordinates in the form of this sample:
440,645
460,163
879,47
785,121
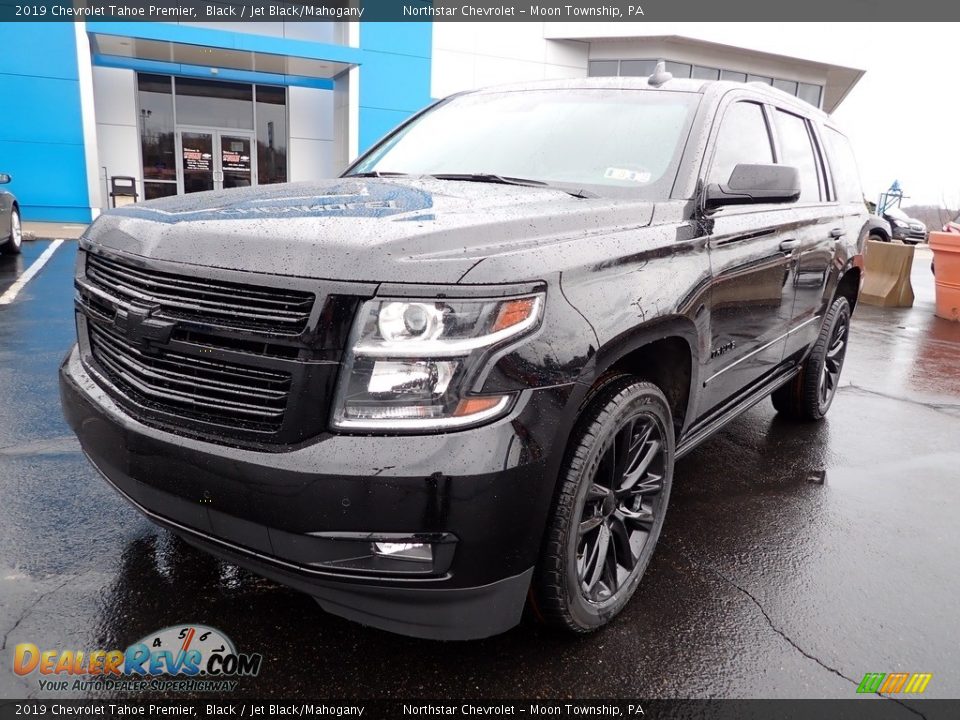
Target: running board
702,432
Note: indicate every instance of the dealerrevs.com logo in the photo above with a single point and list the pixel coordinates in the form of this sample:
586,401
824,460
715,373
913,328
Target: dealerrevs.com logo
179,658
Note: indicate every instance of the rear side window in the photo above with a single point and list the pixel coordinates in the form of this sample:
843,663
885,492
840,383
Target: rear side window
743,138
796,150
843,165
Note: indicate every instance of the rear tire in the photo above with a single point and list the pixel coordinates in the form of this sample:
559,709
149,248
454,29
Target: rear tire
15,241
810,394
610,507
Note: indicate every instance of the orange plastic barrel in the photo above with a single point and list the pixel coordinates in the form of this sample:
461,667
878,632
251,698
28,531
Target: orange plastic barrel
946,263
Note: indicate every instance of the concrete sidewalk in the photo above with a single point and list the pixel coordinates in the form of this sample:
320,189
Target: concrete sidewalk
51,230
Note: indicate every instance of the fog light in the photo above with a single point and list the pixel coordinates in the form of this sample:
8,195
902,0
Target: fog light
417,552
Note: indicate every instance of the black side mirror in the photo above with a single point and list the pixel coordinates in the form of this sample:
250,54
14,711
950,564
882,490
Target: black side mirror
4,178
753,184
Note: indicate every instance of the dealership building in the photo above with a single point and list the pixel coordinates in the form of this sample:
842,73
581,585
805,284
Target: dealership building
97,110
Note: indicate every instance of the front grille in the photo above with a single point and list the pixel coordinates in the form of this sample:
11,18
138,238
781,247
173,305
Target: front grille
277,311
216,392
257,370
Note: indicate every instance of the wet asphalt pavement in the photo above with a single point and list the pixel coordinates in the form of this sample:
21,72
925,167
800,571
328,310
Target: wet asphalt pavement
795,558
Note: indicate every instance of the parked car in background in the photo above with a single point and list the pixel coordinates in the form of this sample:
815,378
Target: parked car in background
878,229
905,228
456,379
11,232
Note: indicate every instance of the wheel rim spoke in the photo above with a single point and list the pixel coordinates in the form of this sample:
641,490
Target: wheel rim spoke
590,524
620,537
597,559
623,450
642,455
833,363
620,507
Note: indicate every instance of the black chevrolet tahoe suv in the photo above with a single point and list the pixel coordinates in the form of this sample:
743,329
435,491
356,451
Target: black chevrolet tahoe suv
454,381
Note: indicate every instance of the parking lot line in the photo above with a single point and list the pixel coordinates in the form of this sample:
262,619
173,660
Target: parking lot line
10,295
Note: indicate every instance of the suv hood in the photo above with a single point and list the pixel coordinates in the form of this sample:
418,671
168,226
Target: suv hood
366,229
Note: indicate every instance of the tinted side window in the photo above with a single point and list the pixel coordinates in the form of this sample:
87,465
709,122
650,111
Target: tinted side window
843,165
743,138
796,149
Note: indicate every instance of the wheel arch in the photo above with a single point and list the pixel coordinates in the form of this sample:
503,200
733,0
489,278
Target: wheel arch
664,352
851,280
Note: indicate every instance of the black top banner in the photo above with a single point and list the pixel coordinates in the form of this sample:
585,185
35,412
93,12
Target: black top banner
477,10
866,708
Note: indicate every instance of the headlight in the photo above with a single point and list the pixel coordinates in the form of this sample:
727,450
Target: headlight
411,362
901,223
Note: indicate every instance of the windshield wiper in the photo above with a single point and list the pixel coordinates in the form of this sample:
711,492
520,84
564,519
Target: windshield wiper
377,174
504,180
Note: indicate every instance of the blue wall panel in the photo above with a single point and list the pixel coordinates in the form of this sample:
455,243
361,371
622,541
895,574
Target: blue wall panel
394,75
41,133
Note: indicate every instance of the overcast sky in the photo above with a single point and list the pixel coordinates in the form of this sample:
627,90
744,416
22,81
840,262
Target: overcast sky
903,116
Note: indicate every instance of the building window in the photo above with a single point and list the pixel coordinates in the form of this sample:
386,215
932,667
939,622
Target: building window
810,93
157,145
644,68
705,73
271,111
214,103
637,68
733,75
788,86
678,70
604,68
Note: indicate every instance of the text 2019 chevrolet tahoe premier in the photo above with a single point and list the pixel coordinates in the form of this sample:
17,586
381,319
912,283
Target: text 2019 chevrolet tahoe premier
456,379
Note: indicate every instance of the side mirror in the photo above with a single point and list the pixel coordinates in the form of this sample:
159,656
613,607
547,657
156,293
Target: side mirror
754,184
4,178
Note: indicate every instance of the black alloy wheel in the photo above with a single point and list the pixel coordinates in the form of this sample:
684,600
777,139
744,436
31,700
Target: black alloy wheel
610,509
810,394
620,508
833,362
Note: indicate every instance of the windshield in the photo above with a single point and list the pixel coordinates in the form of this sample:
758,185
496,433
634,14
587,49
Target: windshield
610,141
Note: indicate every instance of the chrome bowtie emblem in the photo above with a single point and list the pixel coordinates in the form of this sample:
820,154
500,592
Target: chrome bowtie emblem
140,328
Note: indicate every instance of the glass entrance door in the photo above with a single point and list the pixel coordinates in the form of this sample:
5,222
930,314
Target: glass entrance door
236,161
215,159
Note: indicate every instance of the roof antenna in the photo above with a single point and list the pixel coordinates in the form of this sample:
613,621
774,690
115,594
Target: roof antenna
660,75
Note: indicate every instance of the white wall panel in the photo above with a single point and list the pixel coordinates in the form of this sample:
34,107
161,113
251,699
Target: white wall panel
118,138
472,55
311,159
311,113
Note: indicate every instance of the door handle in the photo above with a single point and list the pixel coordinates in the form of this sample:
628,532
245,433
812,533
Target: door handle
837,233
789,245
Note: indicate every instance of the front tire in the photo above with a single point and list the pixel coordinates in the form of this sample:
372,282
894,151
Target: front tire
810,395
614,489
15,241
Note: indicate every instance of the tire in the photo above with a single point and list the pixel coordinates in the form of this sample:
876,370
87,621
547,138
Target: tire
15,241
878,238
584,579
810,395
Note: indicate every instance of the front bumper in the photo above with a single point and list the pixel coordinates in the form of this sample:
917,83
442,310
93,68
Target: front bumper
909,234
303,516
